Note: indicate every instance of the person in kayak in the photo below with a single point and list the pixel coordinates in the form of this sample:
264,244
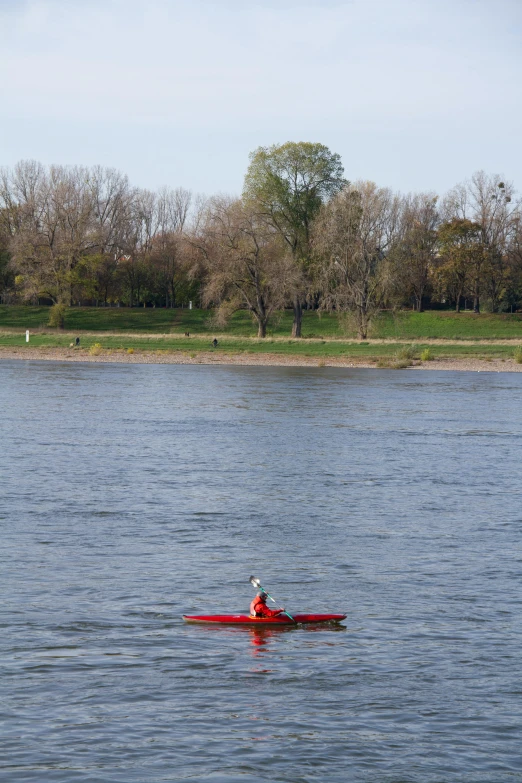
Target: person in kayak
258,607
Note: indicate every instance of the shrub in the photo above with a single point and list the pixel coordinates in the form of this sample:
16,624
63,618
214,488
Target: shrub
130,350
95,349
407,354
517,355
57,316
426,355
402,359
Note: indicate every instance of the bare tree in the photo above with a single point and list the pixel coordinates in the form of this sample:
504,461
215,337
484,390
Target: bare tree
246,263
74,232
112,202
413,254
167,257
53,230
353,234
56,218
173,208
134,267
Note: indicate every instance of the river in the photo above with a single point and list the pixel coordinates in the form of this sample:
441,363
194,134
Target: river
132,494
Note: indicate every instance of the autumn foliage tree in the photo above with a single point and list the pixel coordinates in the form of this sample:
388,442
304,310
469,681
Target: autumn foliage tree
461,258
489,201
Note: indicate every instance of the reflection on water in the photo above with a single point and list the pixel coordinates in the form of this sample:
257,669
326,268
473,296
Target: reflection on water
260,639
134,494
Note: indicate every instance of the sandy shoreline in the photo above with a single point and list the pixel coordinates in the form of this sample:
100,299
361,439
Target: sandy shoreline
242,359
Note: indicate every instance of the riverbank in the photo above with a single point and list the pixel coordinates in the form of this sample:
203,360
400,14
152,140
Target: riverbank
60,354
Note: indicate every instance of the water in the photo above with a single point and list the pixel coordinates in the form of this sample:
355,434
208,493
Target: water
132,494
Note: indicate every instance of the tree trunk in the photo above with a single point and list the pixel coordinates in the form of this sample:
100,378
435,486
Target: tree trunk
476,304
298,318
261,327
363,324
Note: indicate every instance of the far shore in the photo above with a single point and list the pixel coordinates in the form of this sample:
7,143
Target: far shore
107,356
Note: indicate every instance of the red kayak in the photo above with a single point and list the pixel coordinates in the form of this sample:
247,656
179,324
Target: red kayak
246,619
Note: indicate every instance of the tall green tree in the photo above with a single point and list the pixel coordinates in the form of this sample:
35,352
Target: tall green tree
287,184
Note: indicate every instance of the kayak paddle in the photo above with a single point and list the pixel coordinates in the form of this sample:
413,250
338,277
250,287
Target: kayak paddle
257,584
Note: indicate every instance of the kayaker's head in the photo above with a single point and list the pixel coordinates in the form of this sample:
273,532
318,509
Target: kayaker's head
262,595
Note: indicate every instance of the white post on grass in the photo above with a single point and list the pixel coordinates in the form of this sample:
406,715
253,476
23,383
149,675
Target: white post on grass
190,305
27,335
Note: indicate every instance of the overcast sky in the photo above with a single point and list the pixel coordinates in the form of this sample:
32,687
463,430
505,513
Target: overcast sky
414,94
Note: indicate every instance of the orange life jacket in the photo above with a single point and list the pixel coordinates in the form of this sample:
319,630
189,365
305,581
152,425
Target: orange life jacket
258,608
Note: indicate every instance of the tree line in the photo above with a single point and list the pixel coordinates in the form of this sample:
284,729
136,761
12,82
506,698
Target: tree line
301,236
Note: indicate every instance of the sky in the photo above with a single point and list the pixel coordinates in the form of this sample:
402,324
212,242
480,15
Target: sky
413,94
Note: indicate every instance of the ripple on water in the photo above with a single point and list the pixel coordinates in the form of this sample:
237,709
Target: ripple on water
137,493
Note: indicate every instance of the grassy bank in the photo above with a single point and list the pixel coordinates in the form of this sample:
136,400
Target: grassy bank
312,348
161,320
405,325
444,325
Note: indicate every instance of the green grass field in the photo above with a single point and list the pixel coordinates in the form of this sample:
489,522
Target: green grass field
313,348
159,320
392,326
448,326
